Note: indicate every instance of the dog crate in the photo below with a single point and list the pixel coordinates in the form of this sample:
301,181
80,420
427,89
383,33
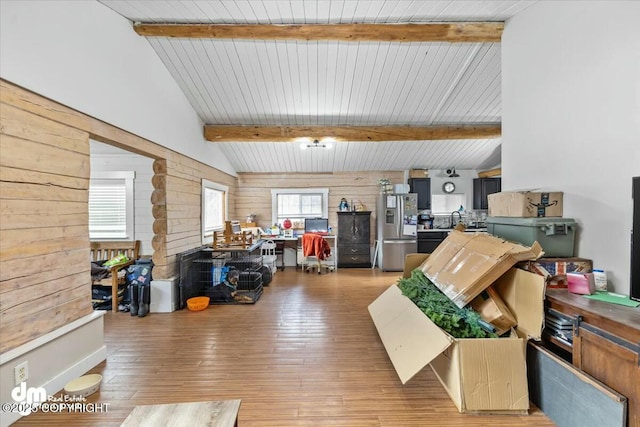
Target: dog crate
250,262
213,283
189,273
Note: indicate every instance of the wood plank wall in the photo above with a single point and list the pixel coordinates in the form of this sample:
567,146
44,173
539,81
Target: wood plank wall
44,178
254,191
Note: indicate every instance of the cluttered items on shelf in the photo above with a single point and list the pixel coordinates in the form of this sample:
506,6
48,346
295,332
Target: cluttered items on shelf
232,236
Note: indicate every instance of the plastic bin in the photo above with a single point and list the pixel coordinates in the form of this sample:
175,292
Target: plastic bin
555,235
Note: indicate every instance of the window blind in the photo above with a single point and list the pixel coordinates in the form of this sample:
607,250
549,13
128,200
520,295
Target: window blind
108,209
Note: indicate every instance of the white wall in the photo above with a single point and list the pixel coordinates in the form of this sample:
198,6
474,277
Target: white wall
106,158
85,56
463,183
571,118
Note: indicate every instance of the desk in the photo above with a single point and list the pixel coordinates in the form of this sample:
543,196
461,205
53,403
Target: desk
295,244
283,243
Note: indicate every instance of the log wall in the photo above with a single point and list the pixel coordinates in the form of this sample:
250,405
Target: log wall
254,191
44,181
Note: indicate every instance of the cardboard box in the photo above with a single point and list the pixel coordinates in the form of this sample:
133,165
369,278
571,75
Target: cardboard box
419,173
465,264
480,375
525,204
493,309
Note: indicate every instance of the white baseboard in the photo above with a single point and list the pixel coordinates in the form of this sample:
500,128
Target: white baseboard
55,359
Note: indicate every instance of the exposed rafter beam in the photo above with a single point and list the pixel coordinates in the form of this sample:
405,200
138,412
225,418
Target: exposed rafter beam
454,32
228,133
490,173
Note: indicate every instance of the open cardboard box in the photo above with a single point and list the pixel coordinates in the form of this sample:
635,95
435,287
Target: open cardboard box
480,375
465,264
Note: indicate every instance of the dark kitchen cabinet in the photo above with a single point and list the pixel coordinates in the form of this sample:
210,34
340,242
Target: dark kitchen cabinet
428,241
422,187
482,187
354,239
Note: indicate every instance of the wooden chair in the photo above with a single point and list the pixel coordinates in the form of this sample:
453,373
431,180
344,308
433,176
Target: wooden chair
102,251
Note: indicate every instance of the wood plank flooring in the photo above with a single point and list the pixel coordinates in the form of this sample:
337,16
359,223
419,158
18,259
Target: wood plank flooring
306,354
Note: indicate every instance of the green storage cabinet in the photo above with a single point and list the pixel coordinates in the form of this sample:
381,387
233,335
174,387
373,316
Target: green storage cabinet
555,235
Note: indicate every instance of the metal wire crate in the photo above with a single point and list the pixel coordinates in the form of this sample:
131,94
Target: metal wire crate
211,283
251,262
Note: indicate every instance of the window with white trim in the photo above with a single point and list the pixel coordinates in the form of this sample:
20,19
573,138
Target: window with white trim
296,204
111,206
214,209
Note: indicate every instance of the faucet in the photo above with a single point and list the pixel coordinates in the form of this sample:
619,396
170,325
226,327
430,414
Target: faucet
451,218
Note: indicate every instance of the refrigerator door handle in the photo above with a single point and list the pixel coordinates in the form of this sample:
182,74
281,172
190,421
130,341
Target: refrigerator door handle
400,202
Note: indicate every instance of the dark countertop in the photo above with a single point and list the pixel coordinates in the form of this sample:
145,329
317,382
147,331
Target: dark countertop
467,230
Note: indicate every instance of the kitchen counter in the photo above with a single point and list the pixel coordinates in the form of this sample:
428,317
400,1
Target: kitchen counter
428,240
440,230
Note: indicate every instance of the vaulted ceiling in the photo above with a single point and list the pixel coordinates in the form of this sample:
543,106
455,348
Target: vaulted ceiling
287,83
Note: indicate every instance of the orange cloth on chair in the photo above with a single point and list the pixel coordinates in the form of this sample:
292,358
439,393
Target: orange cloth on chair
315,245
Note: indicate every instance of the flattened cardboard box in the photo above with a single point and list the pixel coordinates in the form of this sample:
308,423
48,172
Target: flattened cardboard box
465,264
480,375
525,204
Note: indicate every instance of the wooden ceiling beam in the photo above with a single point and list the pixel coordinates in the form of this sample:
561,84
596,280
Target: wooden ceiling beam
454,32
490,173
226,133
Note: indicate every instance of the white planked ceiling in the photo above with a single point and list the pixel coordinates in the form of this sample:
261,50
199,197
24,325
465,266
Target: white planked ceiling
256,82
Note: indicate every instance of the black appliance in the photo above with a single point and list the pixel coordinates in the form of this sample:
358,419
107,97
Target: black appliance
635,241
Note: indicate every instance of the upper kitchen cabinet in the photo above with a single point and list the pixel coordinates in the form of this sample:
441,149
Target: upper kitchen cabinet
422,187
482,187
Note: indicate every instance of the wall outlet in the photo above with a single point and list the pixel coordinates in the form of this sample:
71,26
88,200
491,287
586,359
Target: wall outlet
21,372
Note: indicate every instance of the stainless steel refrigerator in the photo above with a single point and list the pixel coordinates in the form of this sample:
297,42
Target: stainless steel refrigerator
397,229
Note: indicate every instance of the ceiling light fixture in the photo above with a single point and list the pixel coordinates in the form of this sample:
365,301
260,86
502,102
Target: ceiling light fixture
316,144
452,173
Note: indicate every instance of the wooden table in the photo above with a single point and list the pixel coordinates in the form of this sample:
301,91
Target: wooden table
606,343
221,413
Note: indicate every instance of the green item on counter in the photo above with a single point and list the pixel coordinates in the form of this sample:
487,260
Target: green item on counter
613,298
118,259
458,322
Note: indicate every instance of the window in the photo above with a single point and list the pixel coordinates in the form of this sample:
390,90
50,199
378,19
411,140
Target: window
446,203
111,206
214,209
296,204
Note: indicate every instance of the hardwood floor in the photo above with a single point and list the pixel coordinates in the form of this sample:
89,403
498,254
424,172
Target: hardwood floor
307,353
